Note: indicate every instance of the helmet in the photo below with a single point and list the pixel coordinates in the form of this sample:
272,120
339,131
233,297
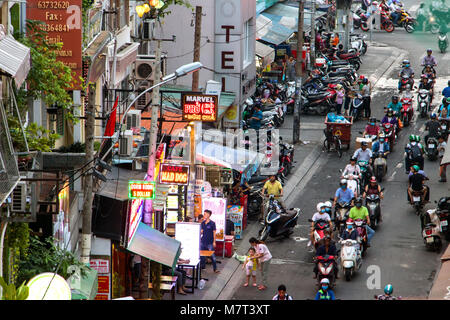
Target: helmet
358,200
433,116
416,168
388,289
447,100
353,159
394,97
362,77
417,138
325,280
405,62
338,86
429,50
364,143
412,138
349,221
343,182
373,179
424,76
319,206
382,136
372,120
327,204
365,81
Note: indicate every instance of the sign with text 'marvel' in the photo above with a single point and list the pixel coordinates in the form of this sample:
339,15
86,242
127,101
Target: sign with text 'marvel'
141,190
199,107
174,174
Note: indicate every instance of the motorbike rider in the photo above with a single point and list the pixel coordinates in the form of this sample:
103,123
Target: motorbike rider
408,71
350,232
271,187
388,289
381,145
429,59
373,188
364,154
360,212
427,84
352,169
443,109
327,248
321,214
395,105
324,292
343,194
395,11
392,119
428,71
432,126
416,183
446,91
372,128
413,153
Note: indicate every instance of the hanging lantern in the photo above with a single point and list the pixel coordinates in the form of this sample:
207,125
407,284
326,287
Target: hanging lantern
140,10
154,3
146,7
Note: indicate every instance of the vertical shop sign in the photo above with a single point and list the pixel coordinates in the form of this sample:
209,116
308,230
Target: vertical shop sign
218,207
62,23
103,278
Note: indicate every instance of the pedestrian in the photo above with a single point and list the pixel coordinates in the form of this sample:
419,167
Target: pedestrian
250,265
349,95
229,227
208,239
340,94
442,167
290,68
282,295
255,122
365,92
264,255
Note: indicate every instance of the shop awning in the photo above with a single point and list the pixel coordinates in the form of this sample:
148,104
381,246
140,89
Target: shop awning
117,185
265,52
86,288
235,158
99,66
14,59
155,245
271,31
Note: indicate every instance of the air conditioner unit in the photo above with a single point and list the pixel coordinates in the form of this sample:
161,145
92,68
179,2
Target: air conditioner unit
145,65
213,176
226,176
133,119
126,143
146,98
200,174
19,197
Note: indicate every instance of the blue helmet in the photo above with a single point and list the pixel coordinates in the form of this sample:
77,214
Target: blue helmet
433,115
388,289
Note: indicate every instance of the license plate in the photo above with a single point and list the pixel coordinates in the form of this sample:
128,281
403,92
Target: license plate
429,240
431,146
444,223
269,152
444,127
416,198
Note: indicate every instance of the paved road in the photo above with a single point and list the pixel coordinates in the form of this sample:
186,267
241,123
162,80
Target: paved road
397,249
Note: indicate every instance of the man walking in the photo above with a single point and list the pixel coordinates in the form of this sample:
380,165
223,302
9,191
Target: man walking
208,239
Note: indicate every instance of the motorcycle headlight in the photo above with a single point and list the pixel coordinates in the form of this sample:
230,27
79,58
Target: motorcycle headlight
431,19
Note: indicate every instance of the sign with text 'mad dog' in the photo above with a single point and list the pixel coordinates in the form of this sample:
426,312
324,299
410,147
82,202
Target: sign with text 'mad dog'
154,245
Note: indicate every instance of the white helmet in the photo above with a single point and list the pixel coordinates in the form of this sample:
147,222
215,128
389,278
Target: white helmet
325,280
319,206
343,181
328,204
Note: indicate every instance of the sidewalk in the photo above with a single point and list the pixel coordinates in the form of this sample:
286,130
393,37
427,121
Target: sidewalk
441,285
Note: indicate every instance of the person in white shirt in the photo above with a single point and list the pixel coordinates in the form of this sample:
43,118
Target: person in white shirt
264,255
442,167
282,295
321,214
352,169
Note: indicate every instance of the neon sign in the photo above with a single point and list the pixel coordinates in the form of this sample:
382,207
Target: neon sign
199,107
173,174
141,190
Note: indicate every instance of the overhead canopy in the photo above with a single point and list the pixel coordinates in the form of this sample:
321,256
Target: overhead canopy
265,52
14,59
155,245
235,158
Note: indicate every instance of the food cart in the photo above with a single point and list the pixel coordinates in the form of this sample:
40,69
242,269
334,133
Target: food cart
341,129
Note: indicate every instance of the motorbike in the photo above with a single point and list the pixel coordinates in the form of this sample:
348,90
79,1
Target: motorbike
405,80
278,222
380,165
286,156
290,97
321,228
342,211
325,266
356,110
423,99
389,132
417,202
358,43
407,21
374,208
352,57
431,232
319,103
443,42
351,260
443,210
386,23
431,148
443,130
362,233
407,111
365,174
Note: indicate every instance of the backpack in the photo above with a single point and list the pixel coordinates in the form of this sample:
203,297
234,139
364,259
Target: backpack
415,152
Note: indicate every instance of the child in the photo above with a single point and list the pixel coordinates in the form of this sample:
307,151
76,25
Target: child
250,266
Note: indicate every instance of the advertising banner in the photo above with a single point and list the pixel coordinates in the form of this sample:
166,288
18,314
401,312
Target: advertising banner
188,233
218,207
199,107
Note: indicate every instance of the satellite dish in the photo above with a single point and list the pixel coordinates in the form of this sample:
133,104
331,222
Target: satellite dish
48,286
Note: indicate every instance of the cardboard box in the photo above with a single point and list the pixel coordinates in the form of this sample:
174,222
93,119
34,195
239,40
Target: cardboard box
361,139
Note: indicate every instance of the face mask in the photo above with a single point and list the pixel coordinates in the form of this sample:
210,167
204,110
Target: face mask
358,205
323,210
324,287
372,124
343,187
349,227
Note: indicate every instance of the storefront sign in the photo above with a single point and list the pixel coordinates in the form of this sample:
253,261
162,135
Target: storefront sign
103,284
199,107
235,214
188,233
62,22
218,207
141,190
134,217
101,265
174,174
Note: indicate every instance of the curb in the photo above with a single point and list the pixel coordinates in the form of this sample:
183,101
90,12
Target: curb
387,66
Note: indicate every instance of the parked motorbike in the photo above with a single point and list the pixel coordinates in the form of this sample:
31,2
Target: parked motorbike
278,222
431,148
351,260
423,99
443,42
286,156
431,232
356,110
362,233
443,210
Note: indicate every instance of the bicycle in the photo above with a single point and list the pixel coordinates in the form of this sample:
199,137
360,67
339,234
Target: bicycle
332,140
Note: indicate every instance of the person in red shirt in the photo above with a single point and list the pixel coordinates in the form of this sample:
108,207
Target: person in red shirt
372,128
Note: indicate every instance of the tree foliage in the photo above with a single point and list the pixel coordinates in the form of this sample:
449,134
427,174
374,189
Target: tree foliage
10,292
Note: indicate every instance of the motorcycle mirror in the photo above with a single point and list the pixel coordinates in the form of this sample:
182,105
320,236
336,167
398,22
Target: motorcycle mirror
310,220
435,201
382,189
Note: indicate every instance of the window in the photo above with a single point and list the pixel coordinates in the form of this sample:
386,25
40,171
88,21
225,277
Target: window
248,37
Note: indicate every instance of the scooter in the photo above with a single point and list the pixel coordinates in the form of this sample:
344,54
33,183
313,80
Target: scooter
431,232
404,82
286,156
423,99
443,42
356,108
342,211
431,148
365,174
325,265
321,228
389,132
443,210
380,165
277,222
351,260
407,111
373,206
362,233
417,202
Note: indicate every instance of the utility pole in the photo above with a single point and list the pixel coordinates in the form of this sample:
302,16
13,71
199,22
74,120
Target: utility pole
88,183
197,37
298,74
313,34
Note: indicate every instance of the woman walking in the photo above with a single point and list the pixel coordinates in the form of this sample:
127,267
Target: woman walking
263,253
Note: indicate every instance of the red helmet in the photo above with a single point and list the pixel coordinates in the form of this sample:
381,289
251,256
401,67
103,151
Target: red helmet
361,77
349,221
373,179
